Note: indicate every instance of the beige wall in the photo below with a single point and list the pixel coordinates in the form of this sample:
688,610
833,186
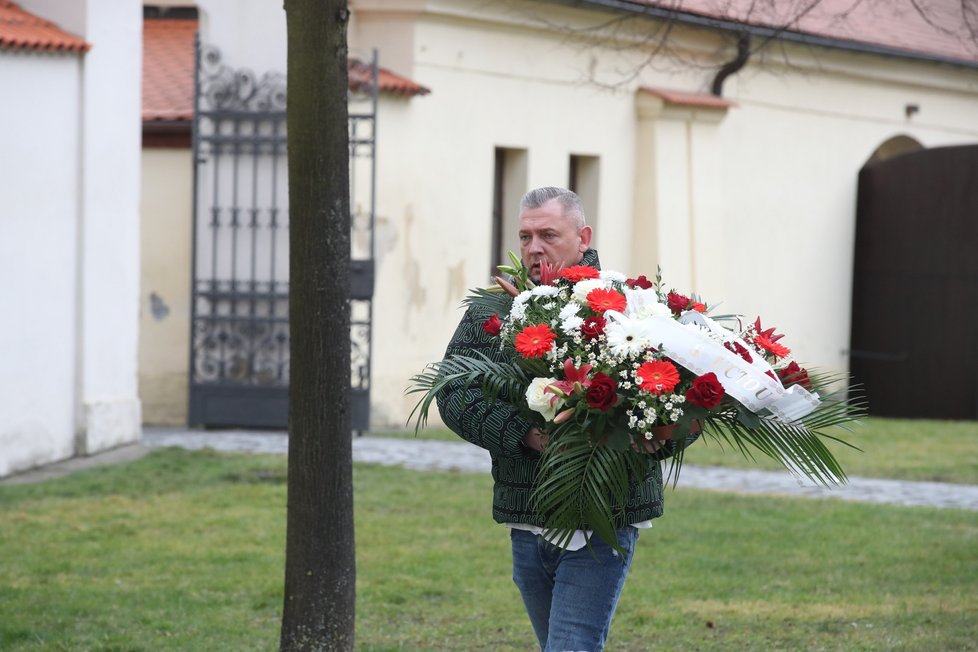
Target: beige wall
753,206
164,320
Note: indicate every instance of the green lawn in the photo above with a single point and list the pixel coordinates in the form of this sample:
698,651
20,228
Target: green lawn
904,449
184,551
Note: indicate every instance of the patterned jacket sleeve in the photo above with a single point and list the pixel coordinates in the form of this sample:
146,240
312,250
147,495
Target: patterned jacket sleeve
497,427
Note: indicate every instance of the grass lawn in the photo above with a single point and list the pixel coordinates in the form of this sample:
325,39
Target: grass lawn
903,449
184,551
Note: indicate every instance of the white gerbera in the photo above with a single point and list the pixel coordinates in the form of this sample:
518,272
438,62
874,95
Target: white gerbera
627,336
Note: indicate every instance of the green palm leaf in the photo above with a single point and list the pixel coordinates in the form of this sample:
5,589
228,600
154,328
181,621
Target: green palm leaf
495,378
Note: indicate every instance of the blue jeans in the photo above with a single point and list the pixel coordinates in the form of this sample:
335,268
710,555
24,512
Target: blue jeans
570,596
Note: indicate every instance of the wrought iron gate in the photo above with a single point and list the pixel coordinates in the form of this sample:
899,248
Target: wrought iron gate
239,334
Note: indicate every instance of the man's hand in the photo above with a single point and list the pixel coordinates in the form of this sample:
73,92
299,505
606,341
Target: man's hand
649,446
536,439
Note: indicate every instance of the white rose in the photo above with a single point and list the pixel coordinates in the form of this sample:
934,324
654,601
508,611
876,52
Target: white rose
582,288
540,401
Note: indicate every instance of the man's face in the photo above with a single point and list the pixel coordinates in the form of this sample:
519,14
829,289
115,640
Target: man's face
545,234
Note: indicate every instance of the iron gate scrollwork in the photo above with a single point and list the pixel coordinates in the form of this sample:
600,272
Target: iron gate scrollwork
239,336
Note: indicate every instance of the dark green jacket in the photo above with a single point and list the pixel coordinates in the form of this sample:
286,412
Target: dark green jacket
499,428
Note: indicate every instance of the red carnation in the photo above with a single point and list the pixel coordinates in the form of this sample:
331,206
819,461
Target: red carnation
593,328
535,341
677,302
493,325
640,282
602,393
579,273
794,375
706,391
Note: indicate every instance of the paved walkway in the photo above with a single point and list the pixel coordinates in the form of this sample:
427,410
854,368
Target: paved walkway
428,455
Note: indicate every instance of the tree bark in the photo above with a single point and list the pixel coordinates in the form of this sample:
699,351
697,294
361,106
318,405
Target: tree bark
320,570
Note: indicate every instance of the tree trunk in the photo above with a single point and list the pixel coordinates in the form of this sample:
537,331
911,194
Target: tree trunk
320,569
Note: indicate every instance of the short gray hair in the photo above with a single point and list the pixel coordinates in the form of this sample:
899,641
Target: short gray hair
568,200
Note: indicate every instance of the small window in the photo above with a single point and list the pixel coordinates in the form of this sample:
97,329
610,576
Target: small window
509,184
584,179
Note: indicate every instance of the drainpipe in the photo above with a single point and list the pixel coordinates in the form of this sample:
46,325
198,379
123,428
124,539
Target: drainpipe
732,66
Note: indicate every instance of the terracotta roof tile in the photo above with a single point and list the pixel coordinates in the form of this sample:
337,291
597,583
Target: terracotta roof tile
168,69
387,81
938,29
685,98
168,72
21,30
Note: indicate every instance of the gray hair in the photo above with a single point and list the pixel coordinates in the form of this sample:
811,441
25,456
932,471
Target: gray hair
568,200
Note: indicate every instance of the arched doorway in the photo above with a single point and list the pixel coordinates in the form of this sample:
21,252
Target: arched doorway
914,338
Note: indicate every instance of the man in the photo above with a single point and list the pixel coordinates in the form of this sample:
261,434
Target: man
570,593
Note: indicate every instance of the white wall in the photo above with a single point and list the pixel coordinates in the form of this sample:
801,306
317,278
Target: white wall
38,256
109,413
69,249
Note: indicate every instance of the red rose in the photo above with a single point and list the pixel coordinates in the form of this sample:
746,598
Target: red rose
593,328
579,273
794,375
601,395
706,391
677,302
640,282
493,325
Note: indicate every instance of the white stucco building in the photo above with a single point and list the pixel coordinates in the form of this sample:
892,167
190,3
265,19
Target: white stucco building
69,254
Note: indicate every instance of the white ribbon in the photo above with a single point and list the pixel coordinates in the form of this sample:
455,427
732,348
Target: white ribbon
747,382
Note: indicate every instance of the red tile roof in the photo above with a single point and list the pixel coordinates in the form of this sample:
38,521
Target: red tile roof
168,69
168,72
685,98
21,30
387,82
934,29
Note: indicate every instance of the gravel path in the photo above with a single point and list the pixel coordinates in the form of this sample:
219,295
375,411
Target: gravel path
428,455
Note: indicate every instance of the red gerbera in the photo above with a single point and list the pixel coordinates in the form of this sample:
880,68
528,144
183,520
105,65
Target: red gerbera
771,346
601,299
658,376
579,273
535,341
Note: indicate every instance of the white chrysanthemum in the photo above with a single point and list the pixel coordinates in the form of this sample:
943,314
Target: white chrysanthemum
582,288
627,336
571,324
544,291
570,310
645,303
540,401
522,297
609,276
518,312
